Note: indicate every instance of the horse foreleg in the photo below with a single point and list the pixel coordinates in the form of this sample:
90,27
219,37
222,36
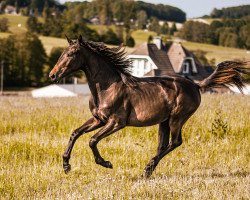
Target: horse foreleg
88,126
111,127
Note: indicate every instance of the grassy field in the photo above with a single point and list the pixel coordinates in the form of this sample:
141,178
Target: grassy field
212,163
219,53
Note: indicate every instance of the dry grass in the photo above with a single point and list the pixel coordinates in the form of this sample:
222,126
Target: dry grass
209,165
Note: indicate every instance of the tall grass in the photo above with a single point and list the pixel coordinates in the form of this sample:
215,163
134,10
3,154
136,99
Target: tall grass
212,163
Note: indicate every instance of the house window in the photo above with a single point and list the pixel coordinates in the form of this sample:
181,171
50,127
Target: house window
185,68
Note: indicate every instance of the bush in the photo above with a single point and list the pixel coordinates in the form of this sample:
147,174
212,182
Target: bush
220,127
111,38
130,42
33,25
4,25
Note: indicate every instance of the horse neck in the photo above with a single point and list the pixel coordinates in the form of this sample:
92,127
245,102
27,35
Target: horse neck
99,73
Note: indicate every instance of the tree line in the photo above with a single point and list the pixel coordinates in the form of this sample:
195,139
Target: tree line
106,10
226,32
231,12
25,60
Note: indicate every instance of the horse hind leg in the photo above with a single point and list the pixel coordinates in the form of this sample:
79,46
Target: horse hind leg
175,125
163,136
163,142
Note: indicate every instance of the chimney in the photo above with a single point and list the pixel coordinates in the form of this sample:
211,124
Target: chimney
157,41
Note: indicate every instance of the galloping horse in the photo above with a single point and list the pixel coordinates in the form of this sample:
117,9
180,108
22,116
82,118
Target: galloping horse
119,99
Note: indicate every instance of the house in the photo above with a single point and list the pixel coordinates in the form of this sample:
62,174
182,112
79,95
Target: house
10,10
153,59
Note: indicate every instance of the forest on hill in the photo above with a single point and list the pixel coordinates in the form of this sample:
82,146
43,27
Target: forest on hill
107,9
230,28
231,12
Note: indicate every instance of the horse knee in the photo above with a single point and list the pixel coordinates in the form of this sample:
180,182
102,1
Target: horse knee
92,142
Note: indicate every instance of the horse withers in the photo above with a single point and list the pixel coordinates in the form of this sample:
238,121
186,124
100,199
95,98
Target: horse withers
119,99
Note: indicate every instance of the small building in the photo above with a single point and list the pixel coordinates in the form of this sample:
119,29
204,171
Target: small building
61,90
10,10
186,64
153,59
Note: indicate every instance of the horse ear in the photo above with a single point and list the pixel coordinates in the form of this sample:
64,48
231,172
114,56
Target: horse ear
69,40
80,39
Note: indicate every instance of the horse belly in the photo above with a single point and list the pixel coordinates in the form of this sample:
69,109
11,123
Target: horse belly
149,112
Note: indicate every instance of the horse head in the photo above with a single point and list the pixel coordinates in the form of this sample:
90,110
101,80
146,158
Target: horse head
69,61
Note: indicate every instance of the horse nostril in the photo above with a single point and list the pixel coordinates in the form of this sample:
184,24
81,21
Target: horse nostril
53,77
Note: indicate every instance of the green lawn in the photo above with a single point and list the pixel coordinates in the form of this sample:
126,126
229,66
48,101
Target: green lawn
141,36
50,42
219,53
17,24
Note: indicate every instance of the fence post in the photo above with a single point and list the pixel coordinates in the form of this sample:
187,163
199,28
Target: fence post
2,77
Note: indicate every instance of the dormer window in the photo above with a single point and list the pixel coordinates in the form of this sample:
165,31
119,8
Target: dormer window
185,69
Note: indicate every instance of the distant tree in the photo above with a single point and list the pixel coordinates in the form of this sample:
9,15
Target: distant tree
216,24
104,10
8,54
228,37
165,28
119,32
111,38
142,19
53,25
155,26
231,12
33,25
46,10
160,11
4,24
75,29
130,42
173,29
150,39
216,13
34,58
245,36
196,32
118,10
24,58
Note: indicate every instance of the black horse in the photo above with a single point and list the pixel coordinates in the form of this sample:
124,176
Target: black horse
118,99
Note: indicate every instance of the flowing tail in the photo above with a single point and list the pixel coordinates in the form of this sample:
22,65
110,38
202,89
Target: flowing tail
227,73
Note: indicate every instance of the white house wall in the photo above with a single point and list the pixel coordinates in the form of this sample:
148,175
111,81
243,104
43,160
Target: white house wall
141,65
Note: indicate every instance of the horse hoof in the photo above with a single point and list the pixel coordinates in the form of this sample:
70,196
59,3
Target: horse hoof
108,164
147,174
148,171
67,168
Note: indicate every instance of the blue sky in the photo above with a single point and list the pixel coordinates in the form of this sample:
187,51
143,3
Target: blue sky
196,8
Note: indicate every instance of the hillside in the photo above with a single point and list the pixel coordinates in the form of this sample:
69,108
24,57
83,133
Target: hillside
231,12
212,51
34,4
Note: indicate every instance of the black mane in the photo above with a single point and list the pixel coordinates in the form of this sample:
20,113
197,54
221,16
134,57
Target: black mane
116,56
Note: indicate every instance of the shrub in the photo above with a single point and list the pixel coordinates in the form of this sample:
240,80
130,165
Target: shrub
4,25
